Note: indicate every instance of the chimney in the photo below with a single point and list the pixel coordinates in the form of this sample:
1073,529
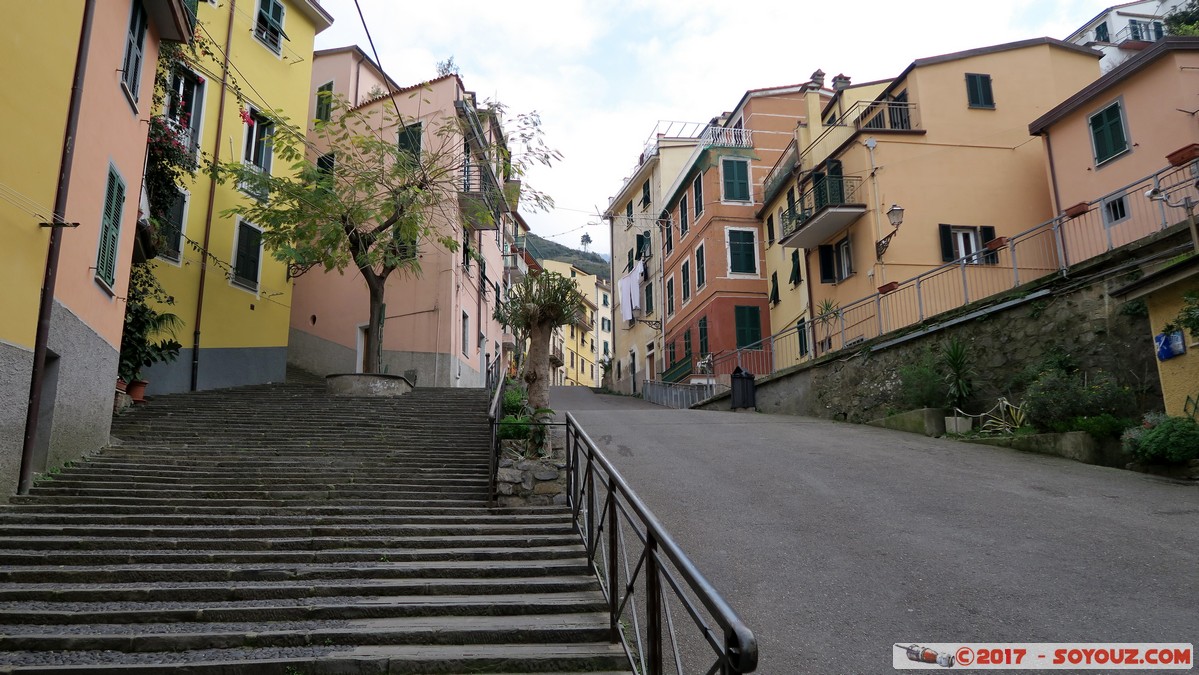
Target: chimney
840,82
818,78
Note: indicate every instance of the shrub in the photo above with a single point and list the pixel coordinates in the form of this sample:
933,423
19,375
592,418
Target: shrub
1101,426
1163,440
920,385
1057,398
513,427
959,375
514,400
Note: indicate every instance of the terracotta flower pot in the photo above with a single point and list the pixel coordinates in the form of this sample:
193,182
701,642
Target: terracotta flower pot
1184,155
137,391
888,287
996,243
1077,210
121,385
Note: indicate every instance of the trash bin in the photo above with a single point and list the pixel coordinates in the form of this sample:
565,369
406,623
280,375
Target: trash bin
743,389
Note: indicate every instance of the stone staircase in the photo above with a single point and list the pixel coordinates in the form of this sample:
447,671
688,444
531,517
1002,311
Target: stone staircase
273,529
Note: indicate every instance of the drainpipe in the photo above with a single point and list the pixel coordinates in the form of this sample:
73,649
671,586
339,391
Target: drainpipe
46,307
216,159
1057,205
870,144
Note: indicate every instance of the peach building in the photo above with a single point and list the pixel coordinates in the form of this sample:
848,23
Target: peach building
438,328
110,50
1130,132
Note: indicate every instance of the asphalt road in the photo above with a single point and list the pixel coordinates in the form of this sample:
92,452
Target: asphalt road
836,541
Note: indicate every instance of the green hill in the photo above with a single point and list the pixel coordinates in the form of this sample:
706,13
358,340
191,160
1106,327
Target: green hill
591,263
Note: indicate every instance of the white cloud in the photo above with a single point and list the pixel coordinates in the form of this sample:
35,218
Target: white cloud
603,74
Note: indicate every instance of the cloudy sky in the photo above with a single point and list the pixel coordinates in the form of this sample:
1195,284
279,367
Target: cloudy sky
602,73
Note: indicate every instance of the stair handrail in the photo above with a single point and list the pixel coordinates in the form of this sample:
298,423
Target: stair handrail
493,417
594,515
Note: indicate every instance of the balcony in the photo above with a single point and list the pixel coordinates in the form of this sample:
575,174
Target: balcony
515,263
885,116
722,137
480,198
780,173
1140,34
828,207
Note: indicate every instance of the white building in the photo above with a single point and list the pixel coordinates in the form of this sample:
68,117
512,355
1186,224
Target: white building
1123,30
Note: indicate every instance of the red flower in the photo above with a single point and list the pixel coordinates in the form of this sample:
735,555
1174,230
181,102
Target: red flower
200,80
245,116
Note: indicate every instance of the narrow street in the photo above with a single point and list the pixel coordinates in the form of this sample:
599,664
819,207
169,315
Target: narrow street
836,541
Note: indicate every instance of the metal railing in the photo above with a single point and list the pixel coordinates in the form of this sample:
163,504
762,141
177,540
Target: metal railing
727,137
825,191
1141,31
678,370
680,395
1109,222
780,172
495,384
863,115
646,578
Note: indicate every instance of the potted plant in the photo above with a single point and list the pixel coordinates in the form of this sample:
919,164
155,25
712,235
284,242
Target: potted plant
959,381
149,335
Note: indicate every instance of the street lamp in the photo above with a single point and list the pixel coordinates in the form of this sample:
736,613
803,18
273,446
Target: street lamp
1157,195
895,216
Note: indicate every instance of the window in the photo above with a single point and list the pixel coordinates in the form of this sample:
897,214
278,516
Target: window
769,229
748,322
466,333
135,44
686,280
700,278
643,242
649,299
324,102
735,174
668,241
1115,210
801,330
605,299
645,195
259,130
670,296
670,355
269,27
959,242
629,266
572,332
978,91
572,359
1145,30
325,165
172,228
743,252
247,255
796,274
184,105
698,188
774,288
683,217
606,324
687,343
110,228
836,261
628,214
606,350
1107,133
1101,34
466,253
618,370
703,335
409,141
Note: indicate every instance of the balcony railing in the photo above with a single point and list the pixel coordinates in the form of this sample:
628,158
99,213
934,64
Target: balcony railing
480,198
1006,263
1141,31
825,191
863,115
727,138
781,171
679,371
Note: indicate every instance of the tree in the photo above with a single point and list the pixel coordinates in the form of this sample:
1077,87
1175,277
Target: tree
586,241
1184,20
447,67
534,307
381,186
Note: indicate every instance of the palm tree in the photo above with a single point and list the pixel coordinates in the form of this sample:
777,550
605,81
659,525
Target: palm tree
533,308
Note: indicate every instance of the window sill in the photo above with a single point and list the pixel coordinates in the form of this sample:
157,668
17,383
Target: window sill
980,107
247,286
129,97
104,286
1100,164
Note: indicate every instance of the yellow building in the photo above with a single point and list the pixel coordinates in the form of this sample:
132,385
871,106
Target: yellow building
62,354
946,145
234,297
581,352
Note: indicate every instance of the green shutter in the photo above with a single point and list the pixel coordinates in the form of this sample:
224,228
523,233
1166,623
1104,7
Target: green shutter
1107,128
699,195
670,296
736,180
774,288
978,91
683,217
703,335
110,228
649,298
741,252
796,276
748,322
687,343
324,102
699,267
801,329
410,140
686,281
172,229
249,241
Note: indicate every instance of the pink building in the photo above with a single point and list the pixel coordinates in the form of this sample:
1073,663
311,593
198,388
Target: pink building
438,328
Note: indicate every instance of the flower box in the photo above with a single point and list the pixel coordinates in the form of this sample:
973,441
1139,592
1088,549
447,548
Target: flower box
1077,210
1184,155
996,243
888,287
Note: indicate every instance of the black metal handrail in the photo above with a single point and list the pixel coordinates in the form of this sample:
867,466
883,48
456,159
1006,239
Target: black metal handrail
601,521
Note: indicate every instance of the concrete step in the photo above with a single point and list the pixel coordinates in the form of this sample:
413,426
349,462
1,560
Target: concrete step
358,532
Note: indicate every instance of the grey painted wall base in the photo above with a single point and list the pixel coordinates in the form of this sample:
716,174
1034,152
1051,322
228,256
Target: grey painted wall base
77,400
220,368
423,369
364,384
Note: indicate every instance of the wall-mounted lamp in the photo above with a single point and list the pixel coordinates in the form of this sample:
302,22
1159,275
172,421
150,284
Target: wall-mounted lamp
895,216
1157,195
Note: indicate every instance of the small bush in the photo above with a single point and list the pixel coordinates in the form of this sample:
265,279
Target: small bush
1101,426
514,400
1163,440
920,385
1057,398
513,427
